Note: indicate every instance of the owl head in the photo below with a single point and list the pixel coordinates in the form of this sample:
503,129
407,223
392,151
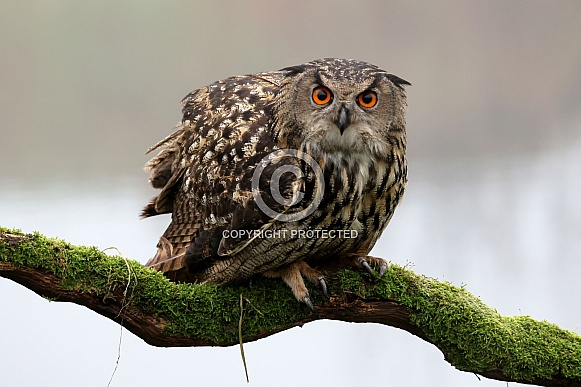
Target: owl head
340,106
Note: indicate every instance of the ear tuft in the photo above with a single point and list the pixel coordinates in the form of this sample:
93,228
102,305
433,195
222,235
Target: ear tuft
293,70
399,82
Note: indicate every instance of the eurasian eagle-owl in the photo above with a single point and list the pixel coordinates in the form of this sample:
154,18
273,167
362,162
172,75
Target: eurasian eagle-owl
276,172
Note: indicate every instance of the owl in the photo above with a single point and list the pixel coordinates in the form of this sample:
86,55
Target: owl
280,173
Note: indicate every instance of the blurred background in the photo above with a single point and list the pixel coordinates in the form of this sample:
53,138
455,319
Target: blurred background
494,137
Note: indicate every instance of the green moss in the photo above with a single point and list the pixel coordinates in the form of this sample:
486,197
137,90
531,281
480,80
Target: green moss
472,336
197,310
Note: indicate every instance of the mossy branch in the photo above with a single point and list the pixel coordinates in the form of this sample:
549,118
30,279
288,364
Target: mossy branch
472,336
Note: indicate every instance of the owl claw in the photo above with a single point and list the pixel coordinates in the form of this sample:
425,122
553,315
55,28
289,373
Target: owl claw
366,262
293,274
363,263
382,268
323,285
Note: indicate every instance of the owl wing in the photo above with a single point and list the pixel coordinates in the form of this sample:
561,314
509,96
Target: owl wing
205,172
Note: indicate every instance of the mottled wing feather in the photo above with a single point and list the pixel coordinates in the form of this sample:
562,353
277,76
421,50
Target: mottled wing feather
207,166
250,216
166,172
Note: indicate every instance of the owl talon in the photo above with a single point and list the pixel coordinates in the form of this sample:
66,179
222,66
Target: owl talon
323,285
382,268
363,263
293,274
367,262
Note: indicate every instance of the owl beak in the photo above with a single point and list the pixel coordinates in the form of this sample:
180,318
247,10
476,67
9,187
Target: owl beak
343,120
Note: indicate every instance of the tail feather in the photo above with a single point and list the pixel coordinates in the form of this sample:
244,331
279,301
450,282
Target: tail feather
163,259
171,248
173,267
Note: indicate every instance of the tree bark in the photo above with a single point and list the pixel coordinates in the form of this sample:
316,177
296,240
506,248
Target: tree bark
472,337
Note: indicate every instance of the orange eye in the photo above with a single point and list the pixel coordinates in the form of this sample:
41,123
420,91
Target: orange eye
367,99
322,95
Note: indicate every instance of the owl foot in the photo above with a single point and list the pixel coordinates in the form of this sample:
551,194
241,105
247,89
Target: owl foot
293,274
366,262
